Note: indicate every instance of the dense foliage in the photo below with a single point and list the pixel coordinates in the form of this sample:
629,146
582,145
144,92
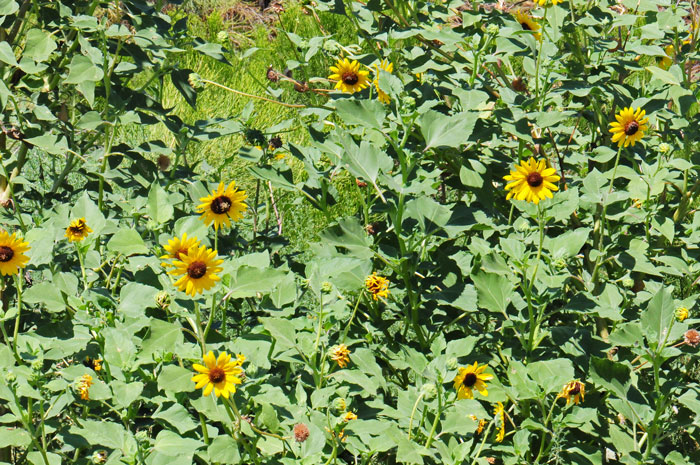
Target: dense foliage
517,286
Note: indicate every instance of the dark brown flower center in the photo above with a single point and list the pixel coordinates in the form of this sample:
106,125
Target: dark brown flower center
78,229
631,128
6,253
469,379
221,205
526,26
534,179
576,389
196,270
217,375
350,78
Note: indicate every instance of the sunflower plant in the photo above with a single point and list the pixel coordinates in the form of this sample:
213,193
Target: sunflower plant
502,268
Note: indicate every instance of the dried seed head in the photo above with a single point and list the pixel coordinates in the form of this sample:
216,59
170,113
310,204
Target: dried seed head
163,162
692,337
301,87
519,85
301,432
360,183
272,75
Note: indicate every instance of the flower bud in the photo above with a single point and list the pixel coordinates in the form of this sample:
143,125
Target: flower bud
452,363
222,36
163,300
492,29
628,283
196,81
429,390
664,147
681,313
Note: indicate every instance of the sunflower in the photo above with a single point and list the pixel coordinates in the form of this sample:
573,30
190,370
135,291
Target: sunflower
223,205
341,355
531,181
573,392
77,230
349,416
220,375
93,363
681,313
350,77
178,247
469,378
480,423
500,414
544,2
528,24
84,383
629,127
12,256
667,61
378,286
387,66
197,270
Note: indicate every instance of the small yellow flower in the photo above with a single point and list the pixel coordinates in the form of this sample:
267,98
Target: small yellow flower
528,24
544,2
77,230
12,257
470,378
223,205
387,66
629,127
350,77
84,383
349,416
681,313
531,181
197,270
500,415
573,392
220,374
177,248
667,61
341,355
378,286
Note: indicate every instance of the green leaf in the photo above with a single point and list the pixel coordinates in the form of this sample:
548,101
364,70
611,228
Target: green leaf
663,75
494,291
164,336
39,45
7,7
14,437
174,378
178,416
173,445
281,331
82,69
365,113
47,295
268,416
446,131
612,376
127,242
6,53
159,206
551,375
224,449
248,281
658,316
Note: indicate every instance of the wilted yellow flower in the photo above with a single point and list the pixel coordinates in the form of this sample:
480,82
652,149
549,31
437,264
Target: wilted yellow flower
528,24
500,414
573,392
480,425
629,127
94,363
341,355
531,181
77,230
470,378
378,286
84,383
387,66
349,416
219,374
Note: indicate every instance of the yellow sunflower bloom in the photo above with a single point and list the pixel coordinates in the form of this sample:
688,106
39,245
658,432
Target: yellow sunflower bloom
531,181
470,378
178,247
218,374
350,77
387,66
573,392
223,205
378,286
197,270
93,363
341,355
544,2
500,414
349,416
77,230
681,313
12,257
528,24
629,127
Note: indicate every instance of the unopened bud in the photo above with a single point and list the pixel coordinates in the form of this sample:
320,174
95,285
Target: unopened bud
222,36
196,81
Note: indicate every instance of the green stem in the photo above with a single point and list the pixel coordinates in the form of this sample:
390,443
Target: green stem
18,283
437,417
534,323
82,266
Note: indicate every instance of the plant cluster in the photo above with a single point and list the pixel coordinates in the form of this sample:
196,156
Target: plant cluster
518,284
